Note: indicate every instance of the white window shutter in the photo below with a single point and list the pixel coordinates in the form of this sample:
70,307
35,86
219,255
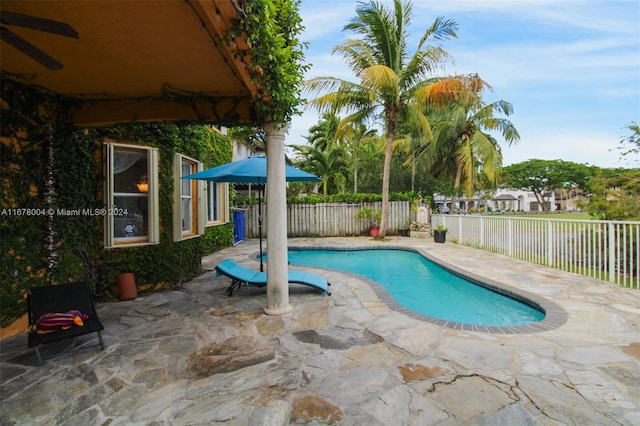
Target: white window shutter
177,198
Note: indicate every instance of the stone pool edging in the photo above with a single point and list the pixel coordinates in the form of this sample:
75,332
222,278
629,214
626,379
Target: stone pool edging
554,315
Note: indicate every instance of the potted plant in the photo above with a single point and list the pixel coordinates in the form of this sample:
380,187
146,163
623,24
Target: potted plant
440,233
405,230
372,217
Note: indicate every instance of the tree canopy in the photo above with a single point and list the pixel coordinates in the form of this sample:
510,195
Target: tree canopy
391,81
615,194
629,146
542,177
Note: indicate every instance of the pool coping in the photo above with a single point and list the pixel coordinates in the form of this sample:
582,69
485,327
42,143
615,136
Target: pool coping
554,317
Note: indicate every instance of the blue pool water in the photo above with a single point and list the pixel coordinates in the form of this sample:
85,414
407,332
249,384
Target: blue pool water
424,287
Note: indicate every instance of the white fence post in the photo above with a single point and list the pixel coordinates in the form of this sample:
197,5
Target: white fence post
550,254
510,238
612,252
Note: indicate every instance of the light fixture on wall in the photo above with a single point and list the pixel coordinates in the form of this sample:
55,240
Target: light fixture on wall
143,184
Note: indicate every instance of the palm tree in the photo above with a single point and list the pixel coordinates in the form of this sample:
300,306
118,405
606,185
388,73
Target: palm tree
389,77
417,132
329,164
463,138
323,134
353,134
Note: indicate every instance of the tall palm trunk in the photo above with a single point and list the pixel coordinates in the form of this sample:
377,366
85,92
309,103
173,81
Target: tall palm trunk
456,186
355,168
392,124
413,169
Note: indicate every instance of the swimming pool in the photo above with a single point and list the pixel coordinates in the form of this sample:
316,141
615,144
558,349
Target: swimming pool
422,286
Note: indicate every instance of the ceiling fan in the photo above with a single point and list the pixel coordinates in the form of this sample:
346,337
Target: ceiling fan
38,24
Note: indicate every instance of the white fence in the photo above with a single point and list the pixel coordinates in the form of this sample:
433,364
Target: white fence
329,220
606,250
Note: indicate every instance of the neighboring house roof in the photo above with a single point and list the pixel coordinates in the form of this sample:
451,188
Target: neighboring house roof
505,197
147,60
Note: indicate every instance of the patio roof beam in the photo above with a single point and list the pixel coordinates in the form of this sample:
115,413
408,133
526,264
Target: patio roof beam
218,110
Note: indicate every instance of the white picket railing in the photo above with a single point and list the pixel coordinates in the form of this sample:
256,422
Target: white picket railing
606,250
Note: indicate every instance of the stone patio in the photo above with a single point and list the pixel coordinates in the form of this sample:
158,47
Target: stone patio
195,356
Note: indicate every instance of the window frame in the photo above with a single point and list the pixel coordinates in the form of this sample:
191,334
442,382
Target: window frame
198,199
112,211
222,201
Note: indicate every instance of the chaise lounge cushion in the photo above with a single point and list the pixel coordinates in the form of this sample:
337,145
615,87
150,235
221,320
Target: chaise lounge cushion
54,321
61,298
242,275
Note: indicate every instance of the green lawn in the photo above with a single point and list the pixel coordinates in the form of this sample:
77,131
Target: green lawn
575,215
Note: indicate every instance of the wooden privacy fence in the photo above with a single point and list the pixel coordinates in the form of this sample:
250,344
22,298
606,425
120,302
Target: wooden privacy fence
329,219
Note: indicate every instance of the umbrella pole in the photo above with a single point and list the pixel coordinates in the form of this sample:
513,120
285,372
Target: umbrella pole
260,227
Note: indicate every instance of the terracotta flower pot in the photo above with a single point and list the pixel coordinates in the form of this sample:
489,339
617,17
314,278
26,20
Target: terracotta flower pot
127,286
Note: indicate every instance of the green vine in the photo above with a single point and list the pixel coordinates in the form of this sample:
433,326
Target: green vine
272,28
78,176
277,59
352,198
169,263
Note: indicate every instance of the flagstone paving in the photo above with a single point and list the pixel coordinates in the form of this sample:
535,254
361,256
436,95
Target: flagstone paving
195,356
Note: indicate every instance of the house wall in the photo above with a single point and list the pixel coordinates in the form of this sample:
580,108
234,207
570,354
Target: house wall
524,201
241,150
65,169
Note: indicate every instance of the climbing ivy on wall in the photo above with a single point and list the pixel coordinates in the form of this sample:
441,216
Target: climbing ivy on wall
78,177
155,264
23,161
36,250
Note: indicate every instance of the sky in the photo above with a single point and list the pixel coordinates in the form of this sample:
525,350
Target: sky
570,68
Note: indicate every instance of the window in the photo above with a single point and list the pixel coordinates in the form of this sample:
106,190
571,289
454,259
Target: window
187,195
189,199
131,196
217,201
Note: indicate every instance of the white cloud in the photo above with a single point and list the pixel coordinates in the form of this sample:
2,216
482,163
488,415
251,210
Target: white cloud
325,18
571,68
586,148
605,16
299,128
325,65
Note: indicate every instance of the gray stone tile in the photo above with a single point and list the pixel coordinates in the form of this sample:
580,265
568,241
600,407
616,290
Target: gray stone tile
194,355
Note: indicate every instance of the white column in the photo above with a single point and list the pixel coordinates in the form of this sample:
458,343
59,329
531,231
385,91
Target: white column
277,262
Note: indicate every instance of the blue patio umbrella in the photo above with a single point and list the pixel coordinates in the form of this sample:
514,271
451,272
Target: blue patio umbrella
251,170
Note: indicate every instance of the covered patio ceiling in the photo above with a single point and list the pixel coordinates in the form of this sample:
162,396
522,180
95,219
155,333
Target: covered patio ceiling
151,60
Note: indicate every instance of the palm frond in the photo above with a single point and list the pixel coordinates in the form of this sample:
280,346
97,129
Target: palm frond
421,65
381,79
357,54
384,30
488,154
350,99
440,29
465,162
323,85
353,126
452,89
